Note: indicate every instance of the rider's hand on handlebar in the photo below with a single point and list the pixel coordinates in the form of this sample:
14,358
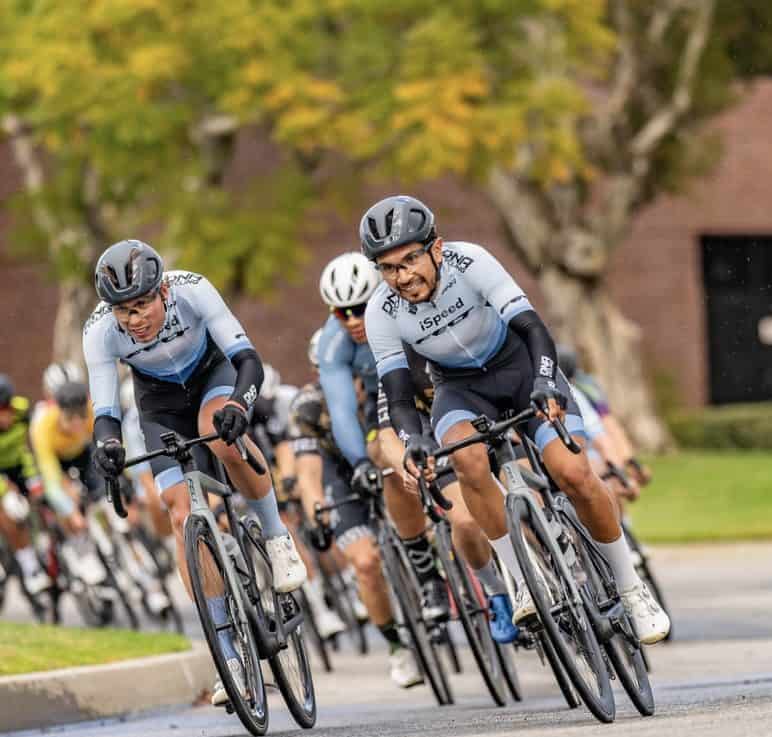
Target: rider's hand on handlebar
420,448
230,422
109,458
361,479
546,394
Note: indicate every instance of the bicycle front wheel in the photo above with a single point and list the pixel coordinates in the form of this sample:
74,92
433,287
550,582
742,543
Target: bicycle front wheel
290,666
564,620
208,579
409,616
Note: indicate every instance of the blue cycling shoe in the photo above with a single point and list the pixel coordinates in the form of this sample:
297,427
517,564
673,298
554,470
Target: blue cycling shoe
502,628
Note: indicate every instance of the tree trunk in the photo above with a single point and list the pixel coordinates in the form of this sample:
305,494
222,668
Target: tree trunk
582,314
76,301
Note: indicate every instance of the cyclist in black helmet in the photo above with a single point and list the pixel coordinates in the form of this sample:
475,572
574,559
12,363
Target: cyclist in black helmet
489,352
194,370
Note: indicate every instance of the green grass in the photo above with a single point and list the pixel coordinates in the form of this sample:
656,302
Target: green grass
25,648
707,496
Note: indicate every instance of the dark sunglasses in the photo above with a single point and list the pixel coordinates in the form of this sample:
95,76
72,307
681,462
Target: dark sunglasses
343,313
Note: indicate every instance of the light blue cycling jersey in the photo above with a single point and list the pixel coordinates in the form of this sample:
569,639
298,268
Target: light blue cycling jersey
340,360
465,324
194,309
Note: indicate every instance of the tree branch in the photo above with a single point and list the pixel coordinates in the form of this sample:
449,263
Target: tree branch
664,121
527,222
28,160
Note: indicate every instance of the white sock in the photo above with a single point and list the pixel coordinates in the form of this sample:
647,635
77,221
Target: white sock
506,553
490,578
28,561
617,554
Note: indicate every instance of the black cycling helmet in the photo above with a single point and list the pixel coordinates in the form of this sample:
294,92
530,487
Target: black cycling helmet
6,390
127,270
72,396
394,222
567,360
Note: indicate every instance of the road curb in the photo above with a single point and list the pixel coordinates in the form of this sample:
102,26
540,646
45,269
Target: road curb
51,698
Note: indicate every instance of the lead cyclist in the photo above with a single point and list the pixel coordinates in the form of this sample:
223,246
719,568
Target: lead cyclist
195,372
489,352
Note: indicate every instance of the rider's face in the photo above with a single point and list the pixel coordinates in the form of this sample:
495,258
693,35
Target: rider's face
410,270
143,317
6,418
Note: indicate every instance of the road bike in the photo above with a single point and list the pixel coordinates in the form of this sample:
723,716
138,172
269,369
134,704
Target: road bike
265,624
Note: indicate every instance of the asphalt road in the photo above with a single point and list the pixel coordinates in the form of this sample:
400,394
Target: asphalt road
715,678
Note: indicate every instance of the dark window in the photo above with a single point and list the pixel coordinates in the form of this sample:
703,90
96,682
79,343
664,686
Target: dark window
737,271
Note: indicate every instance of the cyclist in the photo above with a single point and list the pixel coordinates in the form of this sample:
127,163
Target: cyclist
489,352
61,438
18,475
346,284
324,473
194,371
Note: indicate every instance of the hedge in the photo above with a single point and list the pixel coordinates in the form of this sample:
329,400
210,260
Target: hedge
731,426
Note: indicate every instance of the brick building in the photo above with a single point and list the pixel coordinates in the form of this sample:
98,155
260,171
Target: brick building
694,273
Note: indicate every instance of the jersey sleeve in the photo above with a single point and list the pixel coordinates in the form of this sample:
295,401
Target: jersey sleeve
101,362
337,380
383,334
225,329
42,433
485,274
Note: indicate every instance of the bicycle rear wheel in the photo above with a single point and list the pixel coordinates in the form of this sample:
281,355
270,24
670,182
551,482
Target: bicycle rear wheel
473,612
564,620
290,666
405,591
207,574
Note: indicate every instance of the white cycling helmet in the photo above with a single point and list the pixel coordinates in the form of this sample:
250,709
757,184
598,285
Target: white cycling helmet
348,280
59,374
313,348
271,382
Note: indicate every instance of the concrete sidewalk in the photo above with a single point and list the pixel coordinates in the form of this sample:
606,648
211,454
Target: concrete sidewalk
57,697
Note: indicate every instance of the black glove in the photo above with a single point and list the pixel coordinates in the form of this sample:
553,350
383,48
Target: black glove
230,423
321,537
418,448
109,458
545,389
365,474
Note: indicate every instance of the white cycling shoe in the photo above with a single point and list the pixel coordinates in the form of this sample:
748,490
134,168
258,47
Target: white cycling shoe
649,620
289,571
36,583
403,668
219,695
328,623
157,602
524,608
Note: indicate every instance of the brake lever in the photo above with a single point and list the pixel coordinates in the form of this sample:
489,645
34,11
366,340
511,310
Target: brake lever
113,489
248,457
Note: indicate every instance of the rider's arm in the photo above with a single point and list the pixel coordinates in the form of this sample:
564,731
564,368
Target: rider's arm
103,380
400,392
529,327
502,292
337,380
42,433
309,469
393,370
231,339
